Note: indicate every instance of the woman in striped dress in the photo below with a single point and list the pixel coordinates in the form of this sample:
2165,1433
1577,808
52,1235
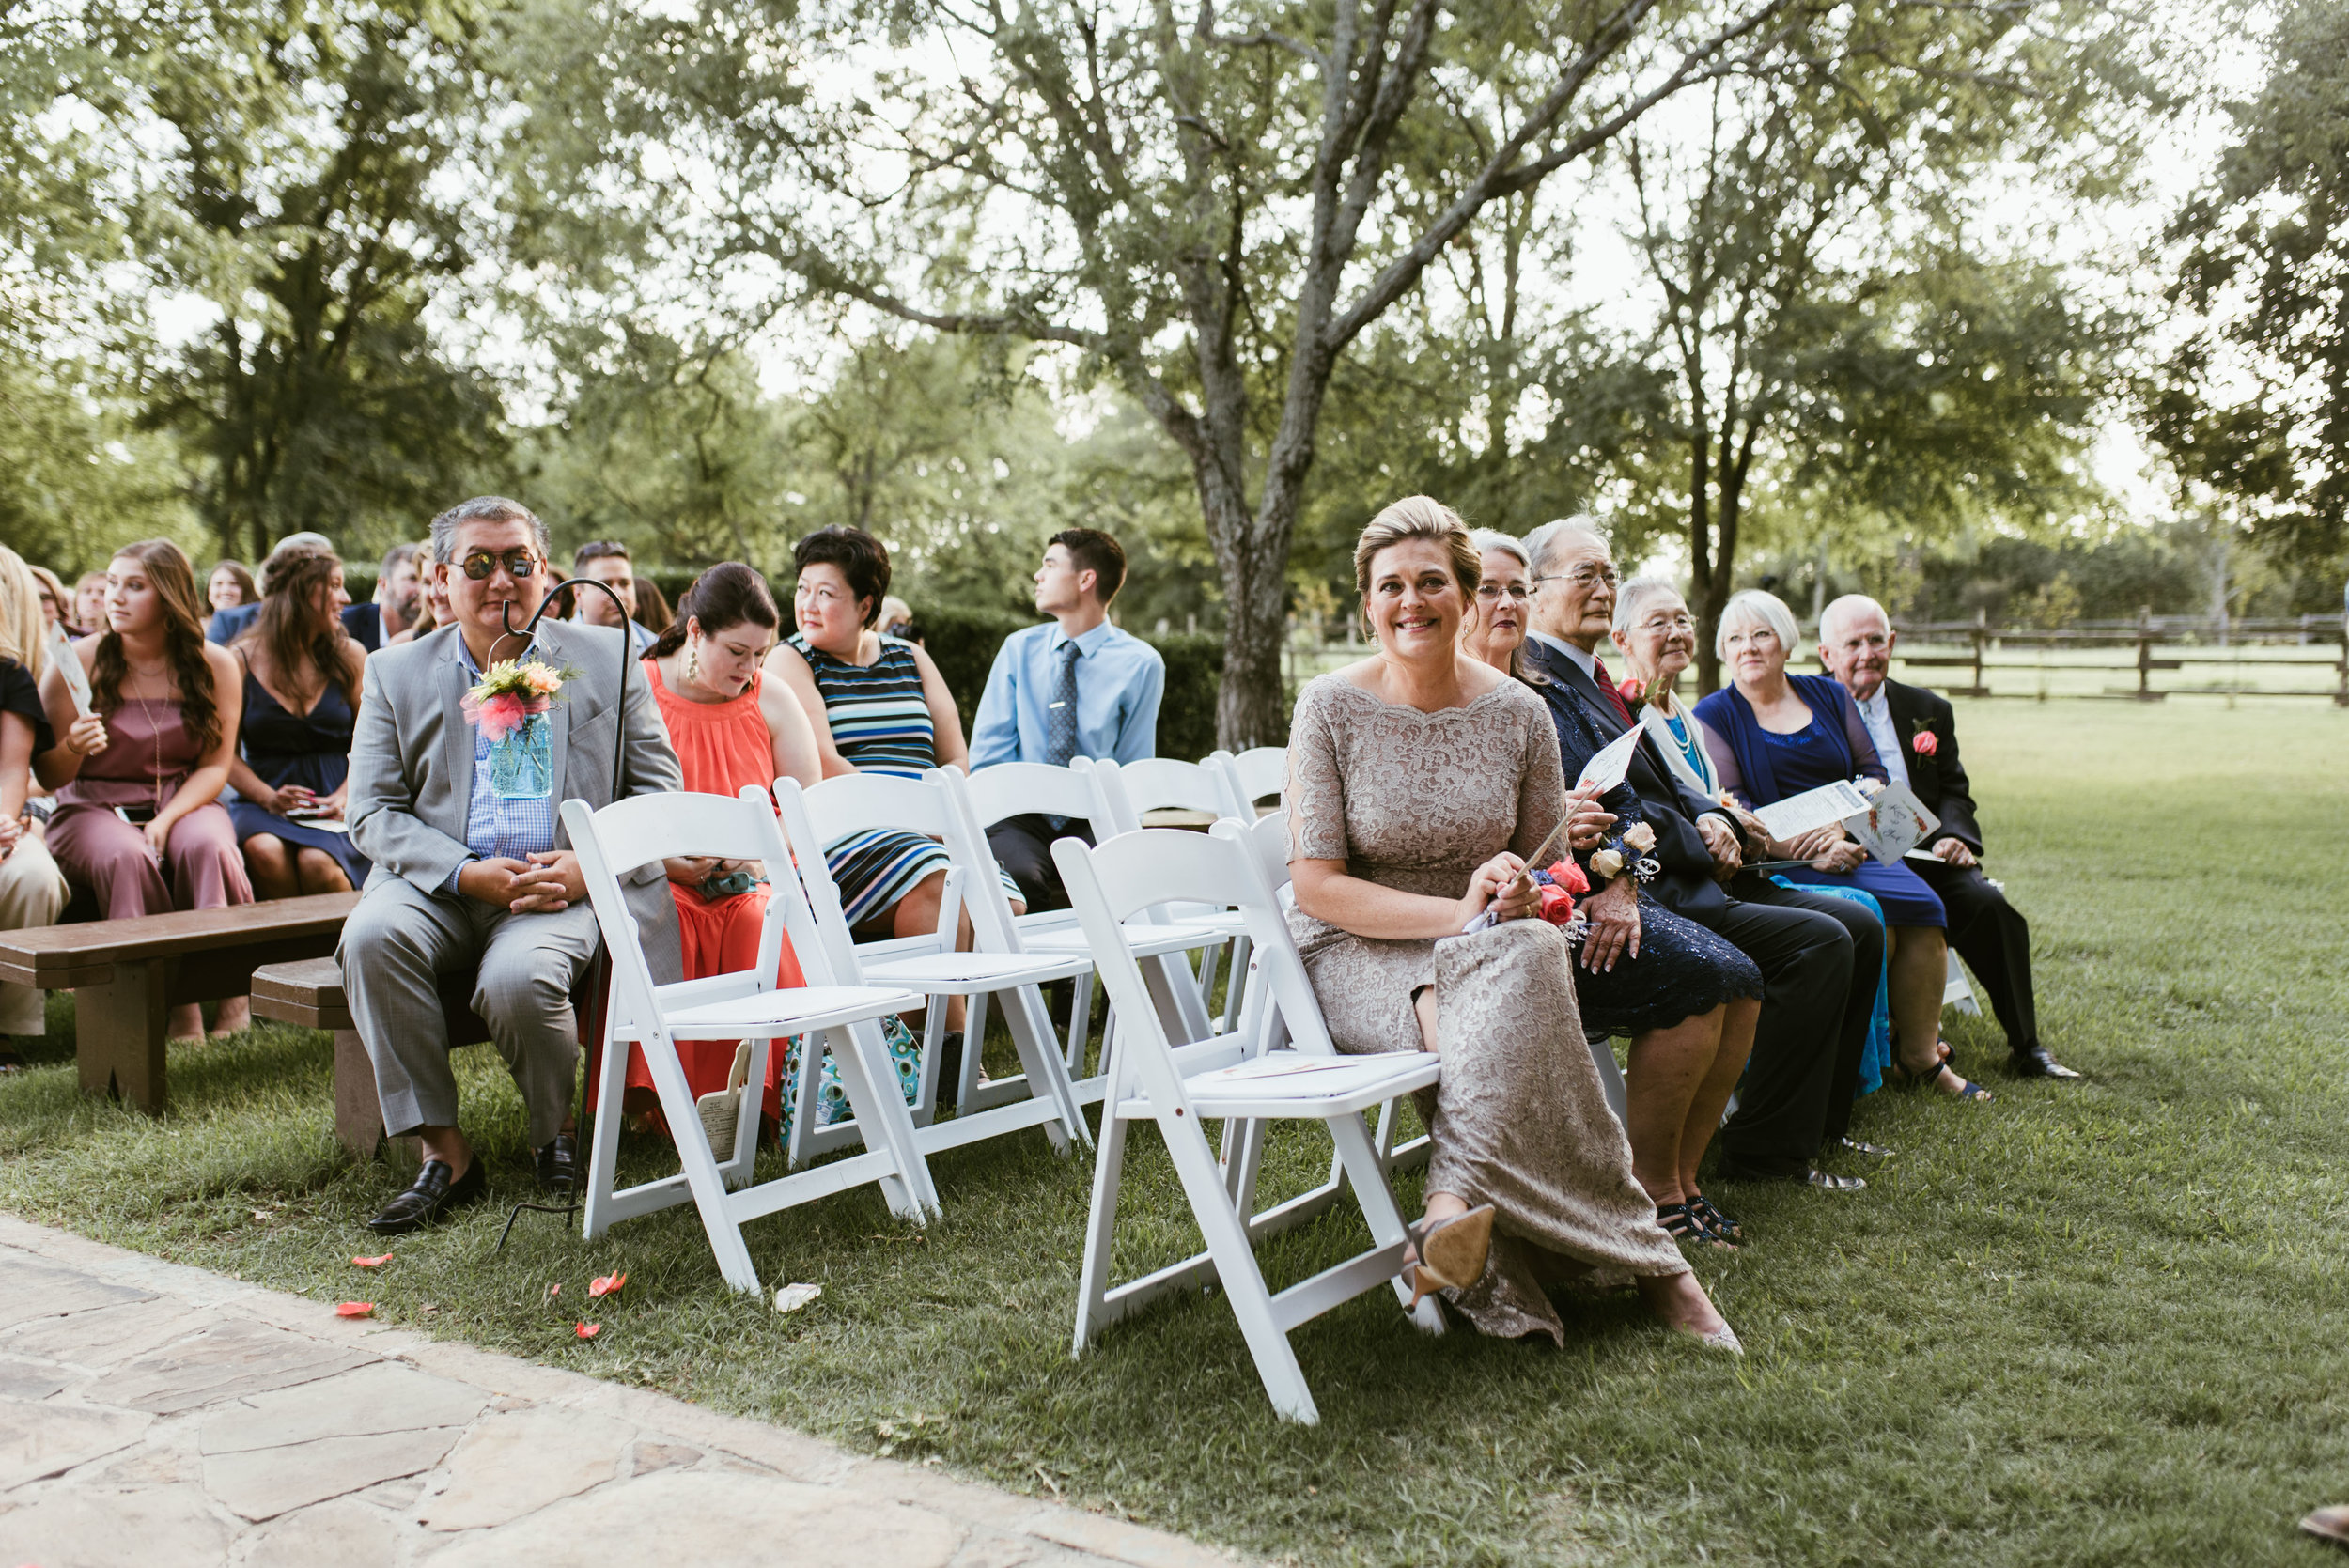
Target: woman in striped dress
878,706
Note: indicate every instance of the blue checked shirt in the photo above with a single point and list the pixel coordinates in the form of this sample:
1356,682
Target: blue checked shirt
495,827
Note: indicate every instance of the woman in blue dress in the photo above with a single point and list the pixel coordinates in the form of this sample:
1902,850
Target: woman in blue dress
293,756
1773,736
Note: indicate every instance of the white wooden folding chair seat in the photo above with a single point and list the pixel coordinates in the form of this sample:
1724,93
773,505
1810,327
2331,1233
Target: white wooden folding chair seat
1176,1087
744,1005
1041,1095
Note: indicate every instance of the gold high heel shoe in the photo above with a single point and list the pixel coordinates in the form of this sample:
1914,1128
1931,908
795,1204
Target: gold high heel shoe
1450,1253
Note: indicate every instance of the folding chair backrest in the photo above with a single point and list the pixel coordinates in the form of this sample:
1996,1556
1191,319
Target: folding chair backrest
1269,836
1155,783
1135,871
833,942
1016,789
1263,771
678,826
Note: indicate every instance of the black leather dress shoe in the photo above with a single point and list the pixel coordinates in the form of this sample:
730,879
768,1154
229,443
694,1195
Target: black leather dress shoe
432,1196
2037,1062
558,1164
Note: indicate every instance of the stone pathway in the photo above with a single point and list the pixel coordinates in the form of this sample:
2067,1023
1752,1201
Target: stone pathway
153,1414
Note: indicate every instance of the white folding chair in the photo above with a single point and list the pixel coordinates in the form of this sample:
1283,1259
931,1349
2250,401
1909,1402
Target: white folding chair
1255,773
1012,789
744,1005
1955,992
1041,1095
1230,1078
1156,784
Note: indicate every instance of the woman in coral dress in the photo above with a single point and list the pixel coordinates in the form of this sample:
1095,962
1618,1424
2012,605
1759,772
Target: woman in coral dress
730,728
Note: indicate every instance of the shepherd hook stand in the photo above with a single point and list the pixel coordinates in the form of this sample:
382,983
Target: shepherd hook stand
586,1118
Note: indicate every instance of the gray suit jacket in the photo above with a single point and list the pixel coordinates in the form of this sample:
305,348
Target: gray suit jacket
412,761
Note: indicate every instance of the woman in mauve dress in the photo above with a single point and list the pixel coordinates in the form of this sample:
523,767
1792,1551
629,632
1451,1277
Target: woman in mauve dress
1418,779
731,728
138,780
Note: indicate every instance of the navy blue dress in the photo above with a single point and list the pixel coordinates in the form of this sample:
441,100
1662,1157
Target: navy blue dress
1815,754
287,748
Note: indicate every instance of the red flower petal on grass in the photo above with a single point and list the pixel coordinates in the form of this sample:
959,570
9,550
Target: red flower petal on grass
371,1263
589,1331
355,1309
605,1284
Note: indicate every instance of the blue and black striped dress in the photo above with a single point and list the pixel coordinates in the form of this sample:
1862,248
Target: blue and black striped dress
880,724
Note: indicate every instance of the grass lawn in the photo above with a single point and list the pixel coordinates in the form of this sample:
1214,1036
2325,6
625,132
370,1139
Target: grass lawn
2090,1323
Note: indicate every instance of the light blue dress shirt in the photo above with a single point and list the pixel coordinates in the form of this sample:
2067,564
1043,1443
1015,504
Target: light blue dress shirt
1120,680
497,827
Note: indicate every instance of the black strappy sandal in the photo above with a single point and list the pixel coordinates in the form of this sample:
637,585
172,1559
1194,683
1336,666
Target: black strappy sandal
1969,1089
1681,1223
1723,1228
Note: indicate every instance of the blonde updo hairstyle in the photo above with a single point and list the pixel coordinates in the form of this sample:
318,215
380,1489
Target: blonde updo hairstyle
1419,517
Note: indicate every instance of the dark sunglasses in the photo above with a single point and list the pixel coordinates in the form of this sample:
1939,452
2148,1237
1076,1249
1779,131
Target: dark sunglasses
519,563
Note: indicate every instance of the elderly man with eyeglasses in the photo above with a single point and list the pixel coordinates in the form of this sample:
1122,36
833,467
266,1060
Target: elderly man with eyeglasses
472,874
1818,954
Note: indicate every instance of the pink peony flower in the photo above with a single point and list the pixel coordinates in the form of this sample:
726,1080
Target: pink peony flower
499,717
1924,743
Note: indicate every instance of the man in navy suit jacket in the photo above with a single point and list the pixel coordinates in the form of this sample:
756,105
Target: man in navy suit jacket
1819,956
1916,737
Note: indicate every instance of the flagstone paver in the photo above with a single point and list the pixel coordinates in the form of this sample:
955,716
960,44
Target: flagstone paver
153,1414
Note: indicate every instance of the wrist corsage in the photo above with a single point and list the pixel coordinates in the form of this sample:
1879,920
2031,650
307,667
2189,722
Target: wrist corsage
1628,852
1560,884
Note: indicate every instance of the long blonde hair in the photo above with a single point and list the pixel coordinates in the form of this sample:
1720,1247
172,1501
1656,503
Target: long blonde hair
23,629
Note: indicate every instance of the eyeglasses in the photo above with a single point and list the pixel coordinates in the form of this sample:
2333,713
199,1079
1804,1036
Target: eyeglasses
519,563
1490,592
1582,576
1678,621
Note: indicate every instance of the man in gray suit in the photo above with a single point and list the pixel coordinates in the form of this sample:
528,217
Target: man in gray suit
468,880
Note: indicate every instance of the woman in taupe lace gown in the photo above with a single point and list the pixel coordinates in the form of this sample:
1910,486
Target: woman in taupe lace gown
1418,778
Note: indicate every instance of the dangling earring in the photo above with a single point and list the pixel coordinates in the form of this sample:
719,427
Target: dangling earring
693,660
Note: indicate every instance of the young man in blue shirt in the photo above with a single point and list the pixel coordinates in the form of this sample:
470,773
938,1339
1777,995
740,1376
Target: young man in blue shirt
1074,687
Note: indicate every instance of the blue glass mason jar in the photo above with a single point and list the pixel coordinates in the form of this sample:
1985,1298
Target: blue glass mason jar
522,766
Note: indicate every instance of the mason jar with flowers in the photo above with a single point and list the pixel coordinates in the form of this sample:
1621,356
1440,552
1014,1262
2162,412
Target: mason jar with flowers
511,705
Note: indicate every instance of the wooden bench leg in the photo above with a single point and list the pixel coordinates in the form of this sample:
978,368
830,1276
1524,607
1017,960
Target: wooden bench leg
359,1110
118,1031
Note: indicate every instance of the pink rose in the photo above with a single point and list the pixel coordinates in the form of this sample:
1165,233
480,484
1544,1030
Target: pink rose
1924,743
1631,691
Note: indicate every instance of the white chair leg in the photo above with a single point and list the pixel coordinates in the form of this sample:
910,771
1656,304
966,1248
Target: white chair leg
878,1107
1031,1034
1093,1275
743,1156
1610,1078
1364,1167
604,1149
1236,1269
701,1168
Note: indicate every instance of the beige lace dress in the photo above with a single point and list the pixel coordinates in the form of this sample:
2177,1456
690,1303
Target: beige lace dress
1417,801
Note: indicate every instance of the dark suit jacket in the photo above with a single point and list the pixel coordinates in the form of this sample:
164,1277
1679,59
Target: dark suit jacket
1939,781
1586,723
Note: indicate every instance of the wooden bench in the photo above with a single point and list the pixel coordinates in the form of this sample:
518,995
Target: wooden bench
310,993
128,974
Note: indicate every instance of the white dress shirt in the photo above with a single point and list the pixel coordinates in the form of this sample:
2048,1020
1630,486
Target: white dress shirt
1586,662
1876,713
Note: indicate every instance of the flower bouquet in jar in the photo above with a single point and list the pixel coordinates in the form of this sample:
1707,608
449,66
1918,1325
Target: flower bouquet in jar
511,705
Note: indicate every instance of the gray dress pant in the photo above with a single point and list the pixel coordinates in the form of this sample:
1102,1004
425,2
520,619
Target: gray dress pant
395,948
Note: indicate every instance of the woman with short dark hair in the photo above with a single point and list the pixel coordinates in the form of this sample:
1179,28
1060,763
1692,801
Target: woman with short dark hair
301,705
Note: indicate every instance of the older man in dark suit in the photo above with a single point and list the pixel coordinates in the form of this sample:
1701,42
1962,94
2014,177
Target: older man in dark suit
1818,955
1915,732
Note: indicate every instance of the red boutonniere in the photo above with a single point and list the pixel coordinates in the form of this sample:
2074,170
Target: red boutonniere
1924,742
1631,691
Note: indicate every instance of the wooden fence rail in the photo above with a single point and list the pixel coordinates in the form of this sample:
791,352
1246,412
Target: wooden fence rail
2185,642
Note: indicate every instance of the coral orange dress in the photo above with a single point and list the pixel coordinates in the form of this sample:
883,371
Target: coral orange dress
723,747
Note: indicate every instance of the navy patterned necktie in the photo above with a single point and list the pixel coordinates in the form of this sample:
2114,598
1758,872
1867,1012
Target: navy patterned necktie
1059,720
